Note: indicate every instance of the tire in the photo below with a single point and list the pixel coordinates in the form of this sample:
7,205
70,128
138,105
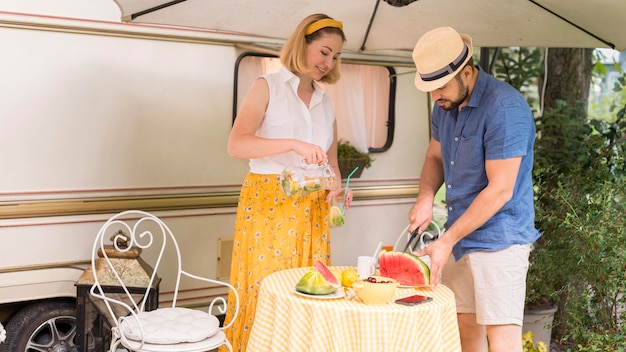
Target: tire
42,326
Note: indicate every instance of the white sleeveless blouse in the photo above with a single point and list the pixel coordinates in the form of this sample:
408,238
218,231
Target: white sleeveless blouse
288,117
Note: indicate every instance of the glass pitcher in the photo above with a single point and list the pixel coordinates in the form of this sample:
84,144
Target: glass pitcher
300,180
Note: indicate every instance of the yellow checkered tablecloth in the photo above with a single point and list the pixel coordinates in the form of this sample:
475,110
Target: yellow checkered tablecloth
285,321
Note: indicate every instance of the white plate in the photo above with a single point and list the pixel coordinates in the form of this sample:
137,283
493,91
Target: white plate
337,294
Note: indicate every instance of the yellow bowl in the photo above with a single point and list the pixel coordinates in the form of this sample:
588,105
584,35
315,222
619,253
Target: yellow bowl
376,292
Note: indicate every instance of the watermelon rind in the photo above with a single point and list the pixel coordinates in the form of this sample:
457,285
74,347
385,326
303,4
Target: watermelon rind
318,280
408,269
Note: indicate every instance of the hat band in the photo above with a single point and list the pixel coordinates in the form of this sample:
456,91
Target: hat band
450,68
323,23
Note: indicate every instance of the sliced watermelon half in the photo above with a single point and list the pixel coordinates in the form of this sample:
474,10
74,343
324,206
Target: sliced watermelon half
407,268
318,280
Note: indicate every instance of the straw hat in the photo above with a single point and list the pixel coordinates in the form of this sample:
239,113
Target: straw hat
439,55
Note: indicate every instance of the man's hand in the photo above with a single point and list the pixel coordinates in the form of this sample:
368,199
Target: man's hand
439,253
420,216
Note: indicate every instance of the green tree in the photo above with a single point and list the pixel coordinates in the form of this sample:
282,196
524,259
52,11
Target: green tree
568,76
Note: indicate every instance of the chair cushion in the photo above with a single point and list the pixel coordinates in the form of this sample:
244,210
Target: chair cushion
170,326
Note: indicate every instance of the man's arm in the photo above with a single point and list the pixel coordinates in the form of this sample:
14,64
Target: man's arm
501,176
431,180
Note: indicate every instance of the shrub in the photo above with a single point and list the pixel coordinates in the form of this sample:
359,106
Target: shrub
579,261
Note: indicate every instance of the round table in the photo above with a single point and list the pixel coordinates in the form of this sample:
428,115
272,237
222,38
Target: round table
287,321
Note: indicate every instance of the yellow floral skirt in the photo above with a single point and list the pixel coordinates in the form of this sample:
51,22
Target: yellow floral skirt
272,232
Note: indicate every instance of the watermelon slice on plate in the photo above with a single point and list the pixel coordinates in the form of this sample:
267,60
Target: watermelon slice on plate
319,280
408,269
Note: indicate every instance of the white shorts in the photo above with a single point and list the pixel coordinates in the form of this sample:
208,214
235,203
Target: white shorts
491,284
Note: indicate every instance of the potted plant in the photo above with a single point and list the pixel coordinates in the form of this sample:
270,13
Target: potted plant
349,158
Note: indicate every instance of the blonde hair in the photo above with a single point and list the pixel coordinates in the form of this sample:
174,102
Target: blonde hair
293,53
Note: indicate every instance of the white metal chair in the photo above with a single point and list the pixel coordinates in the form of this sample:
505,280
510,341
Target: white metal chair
172,328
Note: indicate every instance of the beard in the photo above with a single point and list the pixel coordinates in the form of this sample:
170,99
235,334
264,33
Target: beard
454,104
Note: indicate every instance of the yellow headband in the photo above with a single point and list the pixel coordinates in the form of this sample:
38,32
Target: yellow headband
323,23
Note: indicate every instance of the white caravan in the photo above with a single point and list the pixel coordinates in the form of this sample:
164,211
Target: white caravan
99,117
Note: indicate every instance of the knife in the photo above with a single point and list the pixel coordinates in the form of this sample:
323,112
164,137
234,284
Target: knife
414,234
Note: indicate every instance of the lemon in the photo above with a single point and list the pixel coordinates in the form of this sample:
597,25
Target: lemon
348,277
336,216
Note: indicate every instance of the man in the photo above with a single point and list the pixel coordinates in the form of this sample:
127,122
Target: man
482,150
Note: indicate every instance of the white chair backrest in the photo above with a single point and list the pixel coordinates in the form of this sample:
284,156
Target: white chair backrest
126,235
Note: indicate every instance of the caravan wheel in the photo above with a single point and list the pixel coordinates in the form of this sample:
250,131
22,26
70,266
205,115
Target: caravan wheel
42,326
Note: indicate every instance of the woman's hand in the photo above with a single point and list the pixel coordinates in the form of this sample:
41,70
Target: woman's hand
339,194
312,153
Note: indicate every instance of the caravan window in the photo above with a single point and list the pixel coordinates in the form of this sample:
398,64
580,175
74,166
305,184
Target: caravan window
363,99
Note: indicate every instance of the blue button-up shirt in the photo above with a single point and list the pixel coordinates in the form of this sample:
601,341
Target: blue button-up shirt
496,124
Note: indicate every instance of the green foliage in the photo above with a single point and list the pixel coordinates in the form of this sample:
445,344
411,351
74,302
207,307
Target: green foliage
611,102
561,135
345,150
579,261
609,145
598,341
583,253
520,68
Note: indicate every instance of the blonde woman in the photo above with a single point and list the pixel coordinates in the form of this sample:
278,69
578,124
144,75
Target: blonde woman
285,118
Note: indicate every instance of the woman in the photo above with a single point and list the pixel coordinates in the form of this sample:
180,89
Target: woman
285,118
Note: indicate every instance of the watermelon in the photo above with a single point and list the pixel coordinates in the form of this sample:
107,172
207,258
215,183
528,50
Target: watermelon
319,280
407,268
